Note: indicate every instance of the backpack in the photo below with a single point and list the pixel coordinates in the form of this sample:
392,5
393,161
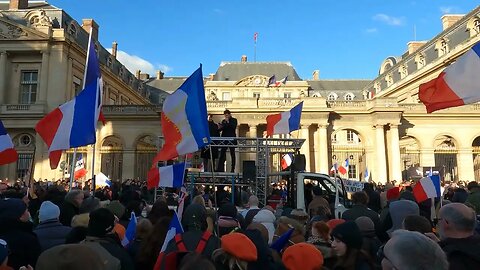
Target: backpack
171,260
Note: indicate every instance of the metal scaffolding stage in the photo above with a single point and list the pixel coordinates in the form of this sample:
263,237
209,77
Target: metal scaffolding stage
262,150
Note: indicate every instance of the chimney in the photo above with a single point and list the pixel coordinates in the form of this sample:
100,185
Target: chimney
414,45
144,76
159,75
450,19
244,58
137,74
316,75
91,24
211,76
114,49
18,4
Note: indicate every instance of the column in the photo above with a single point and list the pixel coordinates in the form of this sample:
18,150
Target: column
396,166
128,164
252,133
381,170
322,147
42,95
465,164
3,72
304,134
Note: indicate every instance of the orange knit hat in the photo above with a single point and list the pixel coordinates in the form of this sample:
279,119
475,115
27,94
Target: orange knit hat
302,256
239,246
334,222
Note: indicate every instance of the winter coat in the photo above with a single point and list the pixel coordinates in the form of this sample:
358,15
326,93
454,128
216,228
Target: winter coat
474,199
191,240
267,219
463,253
113,248
67,212
22,242
359,210
51,233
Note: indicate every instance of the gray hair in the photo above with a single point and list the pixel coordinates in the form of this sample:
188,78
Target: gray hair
458,220
415,251
253,201
72,194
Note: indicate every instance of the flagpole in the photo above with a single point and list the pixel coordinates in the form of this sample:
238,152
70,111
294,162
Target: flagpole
337,199
72,171
255,48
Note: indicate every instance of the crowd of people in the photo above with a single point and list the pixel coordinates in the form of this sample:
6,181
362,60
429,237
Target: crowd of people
46,227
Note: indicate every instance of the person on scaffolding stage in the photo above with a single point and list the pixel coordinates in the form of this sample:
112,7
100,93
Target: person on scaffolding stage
205,153
228,127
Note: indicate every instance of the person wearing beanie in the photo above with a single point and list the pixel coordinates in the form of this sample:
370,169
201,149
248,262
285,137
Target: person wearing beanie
236,249
227,219
17,231
371,243
101,238
71,257
399,210
267,219
347,244
50,232
332,223
302,256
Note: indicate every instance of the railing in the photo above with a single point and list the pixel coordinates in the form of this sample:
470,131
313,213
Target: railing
347,104
22,109
129,109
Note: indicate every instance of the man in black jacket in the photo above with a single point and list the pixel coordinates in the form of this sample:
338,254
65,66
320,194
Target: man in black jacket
205,154
456,226
228,127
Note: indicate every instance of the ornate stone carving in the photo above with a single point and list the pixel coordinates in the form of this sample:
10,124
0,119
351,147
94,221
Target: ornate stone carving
10,31
253,81
38,18
212,96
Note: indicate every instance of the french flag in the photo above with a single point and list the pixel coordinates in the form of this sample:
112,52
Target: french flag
8,154
131,230
286,161
342,169
283,81
426,188
80,167
174,228
285,122
166,176
272,81
457,85
184,120
74,123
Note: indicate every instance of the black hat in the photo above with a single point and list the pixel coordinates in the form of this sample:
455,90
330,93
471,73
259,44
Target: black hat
101,222
228,209
12,208
317,191
349,233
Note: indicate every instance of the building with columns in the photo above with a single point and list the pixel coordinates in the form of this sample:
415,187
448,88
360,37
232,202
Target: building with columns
378,124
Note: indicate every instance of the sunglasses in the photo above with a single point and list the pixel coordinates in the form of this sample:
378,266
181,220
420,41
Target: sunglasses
381,256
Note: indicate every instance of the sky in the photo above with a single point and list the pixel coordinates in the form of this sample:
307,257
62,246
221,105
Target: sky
343,39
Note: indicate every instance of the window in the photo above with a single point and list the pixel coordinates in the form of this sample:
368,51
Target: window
349,97
72,30
350,136
77,85
23,164
256,94
25,140
352,171
287,95
332,97
334,138
28,87
109,61
226,96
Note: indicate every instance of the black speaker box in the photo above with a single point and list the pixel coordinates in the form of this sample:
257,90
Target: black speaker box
249,171
299,162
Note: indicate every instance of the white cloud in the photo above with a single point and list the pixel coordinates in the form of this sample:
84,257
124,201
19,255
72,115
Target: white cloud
371,30
390,20
446,10
134,63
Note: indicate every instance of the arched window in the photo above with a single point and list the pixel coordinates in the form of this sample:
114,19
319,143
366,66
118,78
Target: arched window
72,30
349,97
332,97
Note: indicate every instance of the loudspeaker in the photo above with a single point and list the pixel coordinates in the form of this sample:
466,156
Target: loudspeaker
249,171
299,162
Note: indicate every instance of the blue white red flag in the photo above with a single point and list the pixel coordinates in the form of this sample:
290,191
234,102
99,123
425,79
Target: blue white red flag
181,201
282,81
426,188
74,123
174,228
80,170
457,85
8,154
285,122
272,81
366,175
184,120
287,160
166,176
131,230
